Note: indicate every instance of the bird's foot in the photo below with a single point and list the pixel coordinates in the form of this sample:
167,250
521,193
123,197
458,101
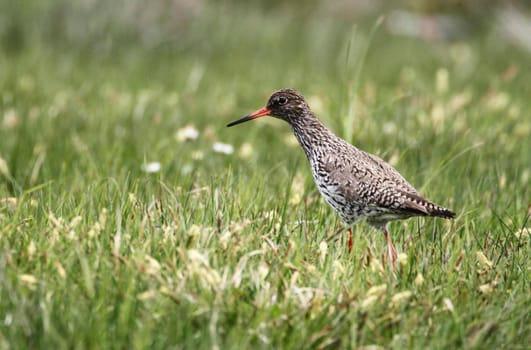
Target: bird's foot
349,242
391,251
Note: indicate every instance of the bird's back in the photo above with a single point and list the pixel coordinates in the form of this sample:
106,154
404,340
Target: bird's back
359,184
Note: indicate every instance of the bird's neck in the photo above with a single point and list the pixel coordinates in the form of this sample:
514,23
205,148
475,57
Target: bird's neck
311,134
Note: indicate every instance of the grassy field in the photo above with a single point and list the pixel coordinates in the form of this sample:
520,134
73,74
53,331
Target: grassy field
228,244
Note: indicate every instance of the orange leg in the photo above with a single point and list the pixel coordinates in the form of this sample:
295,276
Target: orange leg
391,251
349,242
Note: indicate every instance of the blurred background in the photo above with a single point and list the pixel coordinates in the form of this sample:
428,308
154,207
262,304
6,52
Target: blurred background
104,27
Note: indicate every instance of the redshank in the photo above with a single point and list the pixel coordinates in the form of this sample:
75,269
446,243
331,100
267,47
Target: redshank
357,184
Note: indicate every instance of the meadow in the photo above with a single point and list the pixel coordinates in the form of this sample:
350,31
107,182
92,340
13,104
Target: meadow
131,217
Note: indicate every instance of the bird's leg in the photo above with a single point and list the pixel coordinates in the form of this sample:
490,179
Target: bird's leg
391,251
349,242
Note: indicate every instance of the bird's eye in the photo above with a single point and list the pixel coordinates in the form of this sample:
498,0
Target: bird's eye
282,100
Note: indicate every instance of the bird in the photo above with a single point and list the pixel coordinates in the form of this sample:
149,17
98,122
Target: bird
356,184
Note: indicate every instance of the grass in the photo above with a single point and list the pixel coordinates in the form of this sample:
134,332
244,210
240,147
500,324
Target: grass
239,251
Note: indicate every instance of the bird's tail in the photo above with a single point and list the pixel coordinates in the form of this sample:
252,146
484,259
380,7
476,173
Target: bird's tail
421,206
436,210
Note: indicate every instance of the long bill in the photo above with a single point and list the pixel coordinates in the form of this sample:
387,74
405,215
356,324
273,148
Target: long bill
262,112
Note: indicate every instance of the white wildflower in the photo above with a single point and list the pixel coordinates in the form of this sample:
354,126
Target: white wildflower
187,133
153,167
223,148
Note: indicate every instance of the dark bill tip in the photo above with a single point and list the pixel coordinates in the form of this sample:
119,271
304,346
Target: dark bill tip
259,113
241,120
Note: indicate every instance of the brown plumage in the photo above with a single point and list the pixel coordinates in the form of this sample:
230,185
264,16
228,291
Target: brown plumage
358,185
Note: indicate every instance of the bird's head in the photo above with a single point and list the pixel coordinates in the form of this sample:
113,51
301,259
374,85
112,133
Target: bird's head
285,104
